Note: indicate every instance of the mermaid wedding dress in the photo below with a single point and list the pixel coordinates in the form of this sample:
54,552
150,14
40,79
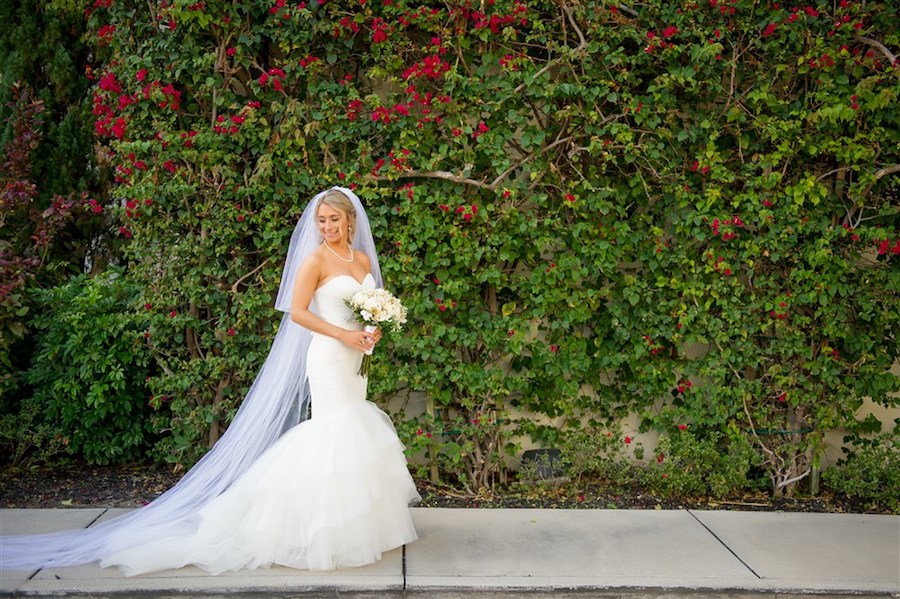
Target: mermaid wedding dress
332,491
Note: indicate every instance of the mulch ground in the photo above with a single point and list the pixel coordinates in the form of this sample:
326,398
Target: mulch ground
130,486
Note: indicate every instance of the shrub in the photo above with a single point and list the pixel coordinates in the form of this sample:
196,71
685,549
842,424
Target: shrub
712,464
89,370
869,472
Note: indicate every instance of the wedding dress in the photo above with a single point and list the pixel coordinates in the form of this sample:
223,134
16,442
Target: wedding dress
333,491
328,492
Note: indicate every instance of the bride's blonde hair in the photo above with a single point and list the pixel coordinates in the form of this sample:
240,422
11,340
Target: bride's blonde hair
337,200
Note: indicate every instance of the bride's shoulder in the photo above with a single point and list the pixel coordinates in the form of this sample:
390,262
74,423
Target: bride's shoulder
363,259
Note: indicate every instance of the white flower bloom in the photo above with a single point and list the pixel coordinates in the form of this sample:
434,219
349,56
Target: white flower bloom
378,307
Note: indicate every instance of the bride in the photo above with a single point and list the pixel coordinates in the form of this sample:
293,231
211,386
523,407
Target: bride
328,492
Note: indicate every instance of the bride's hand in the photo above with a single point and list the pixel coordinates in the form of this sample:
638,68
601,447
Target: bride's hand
360,340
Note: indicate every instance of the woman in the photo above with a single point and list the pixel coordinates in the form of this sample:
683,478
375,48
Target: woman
331,491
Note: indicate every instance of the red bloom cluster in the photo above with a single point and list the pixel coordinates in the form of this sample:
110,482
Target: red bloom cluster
652,345
509,60
96,208
728,234
380,30
467,212
823,62
884,246
662,44
695,166
717,264
97,4
346,24
850,230
398,161
442,305
353,109
276,75
433,67
188,138
104,34
381,114
105,103
166,96
494,22
480,130
310,59
223,128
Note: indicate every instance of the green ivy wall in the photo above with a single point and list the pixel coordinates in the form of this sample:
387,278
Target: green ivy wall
683,215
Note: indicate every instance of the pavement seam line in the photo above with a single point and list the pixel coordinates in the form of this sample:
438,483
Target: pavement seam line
403,566
100,515
91,523
730,550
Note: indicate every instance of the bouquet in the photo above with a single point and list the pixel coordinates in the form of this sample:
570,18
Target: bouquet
376,308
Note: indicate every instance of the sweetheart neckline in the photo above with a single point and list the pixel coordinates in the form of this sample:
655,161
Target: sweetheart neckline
351,277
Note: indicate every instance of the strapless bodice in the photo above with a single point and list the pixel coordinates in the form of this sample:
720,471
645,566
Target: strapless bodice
330,299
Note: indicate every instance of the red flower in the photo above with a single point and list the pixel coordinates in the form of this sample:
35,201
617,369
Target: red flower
627,440
231,332
173,314
570,197
480,130
770,29
353,109
670,31
118,128
682,427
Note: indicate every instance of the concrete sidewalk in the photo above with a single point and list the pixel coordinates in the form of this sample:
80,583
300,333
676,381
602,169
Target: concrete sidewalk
504,551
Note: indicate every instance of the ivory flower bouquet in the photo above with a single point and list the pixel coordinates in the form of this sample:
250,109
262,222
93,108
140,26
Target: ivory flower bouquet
376,308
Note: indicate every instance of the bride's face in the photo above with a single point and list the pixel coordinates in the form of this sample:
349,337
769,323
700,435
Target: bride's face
332,224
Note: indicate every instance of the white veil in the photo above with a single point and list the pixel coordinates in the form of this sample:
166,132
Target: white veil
271,406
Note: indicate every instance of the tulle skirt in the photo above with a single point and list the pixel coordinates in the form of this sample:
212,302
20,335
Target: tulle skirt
333,491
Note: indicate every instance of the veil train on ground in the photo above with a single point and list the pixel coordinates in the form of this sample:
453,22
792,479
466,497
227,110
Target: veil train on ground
271,407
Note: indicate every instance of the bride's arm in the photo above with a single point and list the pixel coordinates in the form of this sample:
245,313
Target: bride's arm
305,284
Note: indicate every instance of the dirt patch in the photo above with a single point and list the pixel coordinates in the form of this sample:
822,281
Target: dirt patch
134,485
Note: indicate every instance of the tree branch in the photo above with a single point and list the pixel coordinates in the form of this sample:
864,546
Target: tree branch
884,50
234,288
581,46
447,176
882,172
438,175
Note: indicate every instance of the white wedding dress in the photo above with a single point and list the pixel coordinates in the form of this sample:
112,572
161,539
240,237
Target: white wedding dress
333,491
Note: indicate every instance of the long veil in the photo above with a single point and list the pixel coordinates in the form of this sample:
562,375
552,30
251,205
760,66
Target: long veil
271,406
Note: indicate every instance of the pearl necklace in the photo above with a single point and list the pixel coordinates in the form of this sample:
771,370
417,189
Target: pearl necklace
325,243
